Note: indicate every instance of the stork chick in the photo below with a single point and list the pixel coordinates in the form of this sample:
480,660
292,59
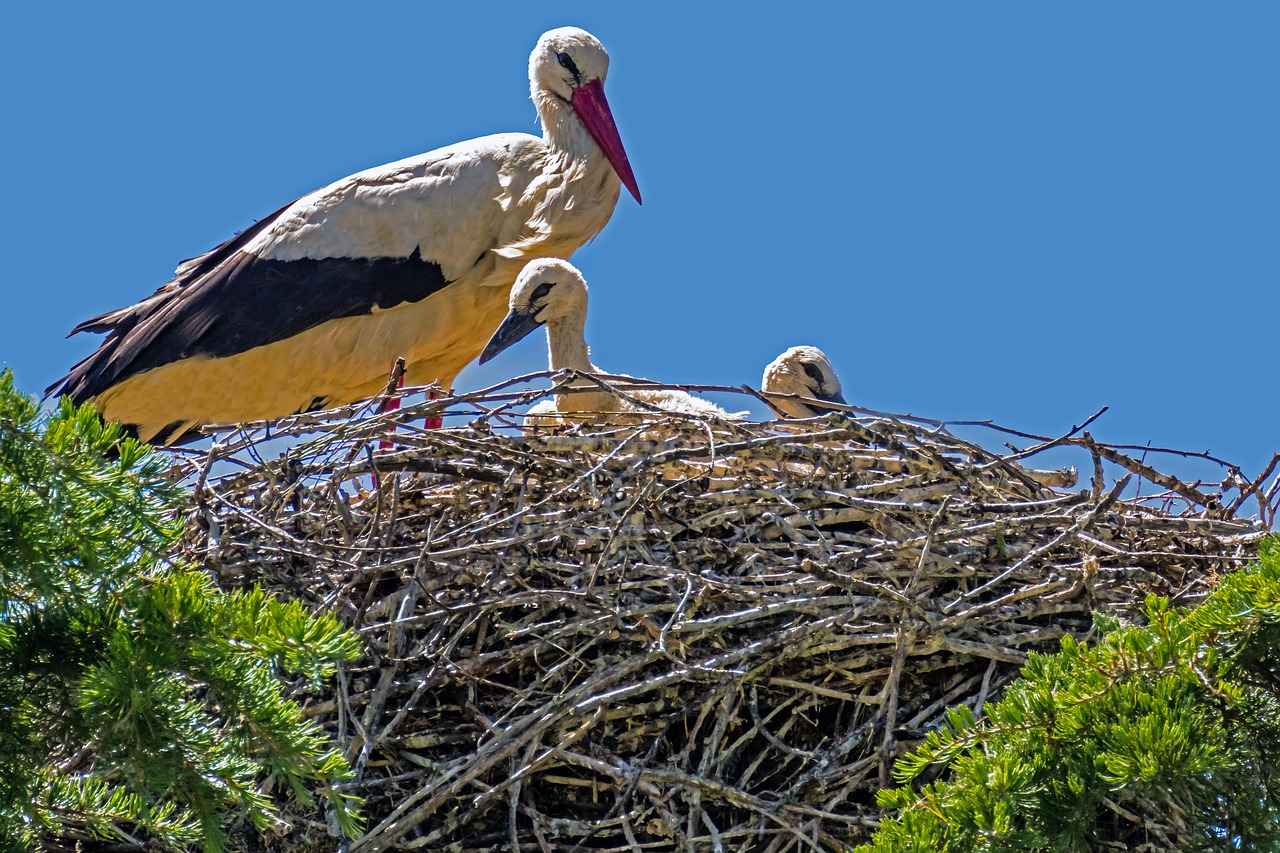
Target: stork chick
804,372
552,293
310,306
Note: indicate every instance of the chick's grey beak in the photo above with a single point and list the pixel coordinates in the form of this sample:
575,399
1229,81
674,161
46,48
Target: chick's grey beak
515,327
834,397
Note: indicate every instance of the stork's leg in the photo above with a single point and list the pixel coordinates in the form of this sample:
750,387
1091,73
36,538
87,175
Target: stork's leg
394,403
434,422
390,406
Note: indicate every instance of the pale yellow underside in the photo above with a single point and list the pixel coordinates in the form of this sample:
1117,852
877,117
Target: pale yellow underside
340,361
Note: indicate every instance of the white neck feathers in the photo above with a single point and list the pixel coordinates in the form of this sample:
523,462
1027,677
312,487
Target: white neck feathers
566,343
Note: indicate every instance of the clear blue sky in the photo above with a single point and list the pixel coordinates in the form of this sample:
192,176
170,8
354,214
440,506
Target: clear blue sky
1008,210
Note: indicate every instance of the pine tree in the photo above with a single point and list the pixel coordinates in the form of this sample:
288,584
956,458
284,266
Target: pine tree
1164,736
139,700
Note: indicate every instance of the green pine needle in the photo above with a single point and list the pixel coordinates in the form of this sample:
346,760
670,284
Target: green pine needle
142,702
1175,723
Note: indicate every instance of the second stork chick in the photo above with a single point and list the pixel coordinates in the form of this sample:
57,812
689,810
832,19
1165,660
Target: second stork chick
551,292
802,372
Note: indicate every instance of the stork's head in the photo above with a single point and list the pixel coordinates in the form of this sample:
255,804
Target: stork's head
546,291
570,64
804,371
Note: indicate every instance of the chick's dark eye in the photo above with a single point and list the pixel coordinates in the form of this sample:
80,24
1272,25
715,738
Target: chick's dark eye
541,291
812,371
566,62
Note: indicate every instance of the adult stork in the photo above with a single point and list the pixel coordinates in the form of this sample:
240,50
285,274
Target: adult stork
552,292
311,306
802,372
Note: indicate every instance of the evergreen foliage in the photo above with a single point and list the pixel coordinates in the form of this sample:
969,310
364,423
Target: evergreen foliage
1162,737
137,699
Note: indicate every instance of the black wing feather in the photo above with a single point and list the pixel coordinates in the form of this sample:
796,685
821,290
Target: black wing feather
230,301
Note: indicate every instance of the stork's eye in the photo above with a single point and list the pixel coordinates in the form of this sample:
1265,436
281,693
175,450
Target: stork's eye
540,292
812,371
567,63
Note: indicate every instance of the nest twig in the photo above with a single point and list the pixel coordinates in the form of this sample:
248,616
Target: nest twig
682,634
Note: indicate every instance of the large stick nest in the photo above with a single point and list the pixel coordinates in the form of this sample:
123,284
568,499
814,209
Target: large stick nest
677,635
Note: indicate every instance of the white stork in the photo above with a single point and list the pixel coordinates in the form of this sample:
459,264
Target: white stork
552,292
804,372
311,306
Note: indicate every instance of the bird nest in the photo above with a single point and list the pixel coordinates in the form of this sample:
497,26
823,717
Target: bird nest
679,634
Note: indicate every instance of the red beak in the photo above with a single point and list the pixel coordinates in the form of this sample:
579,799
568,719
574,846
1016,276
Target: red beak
591,106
